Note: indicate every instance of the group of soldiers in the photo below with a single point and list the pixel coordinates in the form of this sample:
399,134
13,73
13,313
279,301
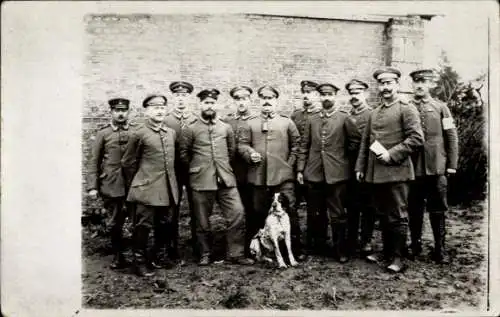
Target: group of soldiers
350,164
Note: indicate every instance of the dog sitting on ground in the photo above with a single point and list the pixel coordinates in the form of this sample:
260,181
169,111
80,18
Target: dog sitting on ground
276,229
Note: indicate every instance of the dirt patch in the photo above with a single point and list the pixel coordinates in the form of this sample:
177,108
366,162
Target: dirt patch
319,283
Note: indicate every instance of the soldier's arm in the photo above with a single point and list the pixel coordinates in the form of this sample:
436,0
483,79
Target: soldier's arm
450,139
245,143
353,136
231,143
363,148
131,157
305,143
414,136
93,170
185,146
294,139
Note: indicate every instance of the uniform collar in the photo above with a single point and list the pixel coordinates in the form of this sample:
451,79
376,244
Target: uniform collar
360,109
330,113
424,100
214,121
268,115
387,105
154,126
116,127
181,114
311,109
245,115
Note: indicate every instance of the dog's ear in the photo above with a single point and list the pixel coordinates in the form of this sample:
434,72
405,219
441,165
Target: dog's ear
285,203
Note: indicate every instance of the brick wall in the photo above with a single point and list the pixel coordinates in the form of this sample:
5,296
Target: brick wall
134,55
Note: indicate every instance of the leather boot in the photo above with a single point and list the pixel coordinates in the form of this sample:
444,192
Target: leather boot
119,261
399,243
439,254
416,219
141,267
339,234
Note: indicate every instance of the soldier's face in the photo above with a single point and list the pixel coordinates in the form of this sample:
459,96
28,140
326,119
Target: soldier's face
242,102
327,99
268,104
156,112
119,115
208,108
422,87
309,97
181,100
388,88
357,97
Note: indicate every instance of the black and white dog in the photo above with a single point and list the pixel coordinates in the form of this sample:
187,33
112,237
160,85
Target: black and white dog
277,228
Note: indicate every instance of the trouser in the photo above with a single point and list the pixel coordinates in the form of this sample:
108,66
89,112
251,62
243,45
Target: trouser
391,201
428,192
174,247
327,204
158,218
114,205
245,191
360,212
262,199
229,201
300,194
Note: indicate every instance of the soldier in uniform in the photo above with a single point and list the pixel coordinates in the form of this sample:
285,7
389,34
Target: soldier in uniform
207,147
359,195
300,117
436,159
242,96
149,164
324,166
177,119
105,172
392,133
270,144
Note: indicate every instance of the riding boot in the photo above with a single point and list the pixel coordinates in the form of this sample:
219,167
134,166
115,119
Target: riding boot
339,235
141,267
398,246
416,219
439,254
119,261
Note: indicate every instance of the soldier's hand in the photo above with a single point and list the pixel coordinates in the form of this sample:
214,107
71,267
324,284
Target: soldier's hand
451,171
300,178
360,176
93,194
255,157
384,157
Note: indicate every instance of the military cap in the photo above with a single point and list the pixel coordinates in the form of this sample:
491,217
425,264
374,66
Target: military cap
240,90
423,74
387,72
307,85
327,87
208,93
181,86
154,100
266,89
118,103
356,84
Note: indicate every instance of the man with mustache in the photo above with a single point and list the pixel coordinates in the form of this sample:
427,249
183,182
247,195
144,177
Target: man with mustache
270,144
149,169
324,166
177,119
392,134
359,195
434,161
207,147
300,117
105,173
242,96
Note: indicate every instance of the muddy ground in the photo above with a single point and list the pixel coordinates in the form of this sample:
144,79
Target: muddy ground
319,283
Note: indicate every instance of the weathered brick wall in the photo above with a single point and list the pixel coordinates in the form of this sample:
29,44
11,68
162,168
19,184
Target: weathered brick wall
134,55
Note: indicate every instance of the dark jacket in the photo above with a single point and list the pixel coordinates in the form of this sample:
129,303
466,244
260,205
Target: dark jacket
359,118
149,162
325,147
440,148
301,116
208,149
240,165
279,148
105,172
397,127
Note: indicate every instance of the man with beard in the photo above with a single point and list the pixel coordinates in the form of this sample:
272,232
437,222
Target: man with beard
434,161
105,173
270,144
149,169
177,119
324,166
359,195
242,96
207,147
300,118
392,133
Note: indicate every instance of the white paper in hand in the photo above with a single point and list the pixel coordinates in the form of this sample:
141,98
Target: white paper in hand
448,123
377,148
